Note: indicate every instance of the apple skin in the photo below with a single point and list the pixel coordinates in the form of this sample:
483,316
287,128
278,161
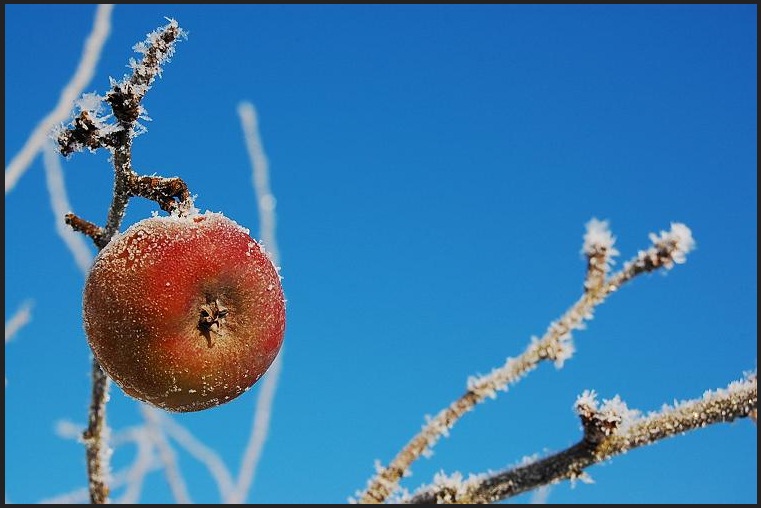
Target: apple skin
185,313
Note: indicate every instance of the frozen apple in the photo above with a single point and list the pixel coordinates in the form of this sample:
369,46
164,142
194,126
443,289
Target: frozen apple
184,313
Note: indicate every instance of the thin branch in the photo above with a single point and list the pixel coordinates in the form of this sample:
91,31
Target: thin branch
610,430
95,438
266,205
203,453
140,467
259,431
18,320
93,131
167,456
60,204
131,477
84,73
668,248
265,200
125,477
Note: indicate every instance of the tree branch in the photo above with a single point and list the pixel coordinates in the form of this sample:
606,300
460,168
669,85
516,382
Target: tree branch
92,131
668,248
95,435
608,431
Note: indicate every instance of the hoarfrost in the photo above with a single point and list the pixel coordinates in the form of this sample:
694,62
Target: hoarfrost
598,237
678,241
587,399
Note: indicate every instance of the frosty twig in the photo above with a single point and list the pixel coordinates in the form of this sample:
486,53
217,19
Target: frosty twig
668,248
91,130
85,70
609,430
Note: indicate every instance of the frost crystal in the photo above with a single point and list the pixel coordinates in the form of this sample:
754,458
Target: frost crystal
588,399
616,409
678,242
90,102
598,237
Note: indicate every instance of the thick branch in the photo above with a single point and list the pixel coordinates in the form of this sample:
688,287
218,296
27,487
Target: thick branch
739,400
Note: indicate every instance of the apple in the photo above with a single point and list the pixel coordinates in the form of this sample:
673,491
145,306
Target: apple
184,312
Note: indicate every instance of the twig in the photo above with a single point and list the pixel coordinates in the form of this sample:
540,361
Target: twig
166,454
144,462
203,453
92,131
60,204
82,76
610,430
266,205
668,248
130,477
18,320
95,435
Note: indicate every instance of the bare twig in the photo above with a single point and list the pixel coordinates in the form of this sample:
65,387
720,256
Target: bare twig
91,131
609,430
668,248
144,462
265,200
130,477
167,457
95,437
85,70
203,453
266,204
18,320
60,204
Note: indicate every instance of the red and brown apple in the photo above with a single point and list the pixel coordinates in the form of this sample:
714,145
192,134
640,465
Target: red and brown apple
184,313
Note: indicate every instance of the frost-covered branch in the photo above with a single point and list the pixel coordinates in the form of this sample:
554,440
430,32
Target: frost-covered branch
202,453
95,437
60,203
167,456
91,129
609,429
267,220
18,320
130,477
82,76
668,248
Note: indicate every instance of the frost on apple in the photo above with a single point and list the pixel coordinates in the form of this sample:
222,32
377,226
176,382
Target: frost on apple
184,312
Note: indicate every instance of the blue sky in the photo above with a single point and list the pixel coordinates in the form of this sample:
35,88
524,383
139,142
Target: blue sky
434,168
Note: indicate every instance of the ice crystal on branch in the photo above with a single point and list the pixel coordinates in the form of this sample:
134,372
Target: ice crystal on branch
669,248
125,95
599,251
556,345
678,242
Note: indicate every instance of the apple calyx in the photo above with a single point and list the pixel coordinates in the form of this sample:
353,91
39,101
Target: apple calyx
212,319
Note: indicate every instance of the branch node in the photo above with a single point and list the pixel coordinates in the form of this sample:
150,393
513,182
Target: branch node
163,191
84,134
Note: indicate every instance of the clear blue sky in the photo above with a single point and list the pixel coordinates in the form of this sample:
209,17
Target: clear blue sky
434,167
